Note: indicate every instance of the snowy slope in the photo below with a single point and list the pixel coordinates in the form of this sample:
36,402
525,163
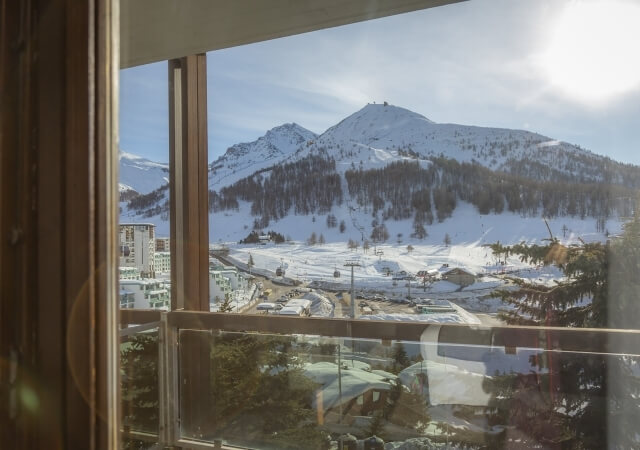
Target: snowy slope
373,137
384,133
275,147
379,134
140,174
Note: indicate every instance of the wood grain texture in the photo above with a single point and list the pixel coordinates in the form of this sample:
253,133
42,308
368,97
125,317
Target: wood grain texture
188,154
58,189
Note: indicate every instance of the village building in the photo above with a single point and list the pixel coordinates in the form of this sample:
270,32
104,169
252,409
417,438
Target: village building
162,262
147,293
302,303
355,390
219,287
128,273
237,279
461,277
428,275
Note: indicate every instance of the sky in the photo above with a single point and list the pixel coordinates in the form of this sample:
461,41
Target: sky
567,69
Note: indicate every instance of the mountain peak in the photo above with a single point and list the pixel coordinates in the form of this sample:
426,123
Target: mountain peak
140,174
289,130
275,146
280,140
385,108
376,121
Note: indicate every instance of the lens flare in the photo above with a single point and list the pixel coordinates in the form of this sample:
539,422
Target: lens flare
593,52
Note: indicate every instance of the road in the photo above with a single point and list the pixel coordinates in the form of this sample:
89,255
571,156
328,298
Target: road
277,291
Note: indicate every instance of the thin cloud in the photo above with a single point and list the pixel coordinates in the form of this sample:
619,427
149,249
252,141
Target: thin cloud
471,63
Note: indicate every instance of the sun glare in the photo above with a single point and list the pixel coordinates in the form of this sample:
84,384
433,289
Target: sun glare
593,53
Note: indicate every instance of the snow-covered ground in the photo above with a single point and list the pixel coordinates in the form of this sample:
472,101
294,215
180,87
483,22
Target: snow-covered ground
469,231
466,228
241,299
321,306
460,315
317,264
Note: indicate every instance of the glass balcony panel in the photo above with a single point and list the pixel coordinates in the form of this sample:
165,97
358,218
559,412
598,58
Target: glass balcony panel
298,391
139,387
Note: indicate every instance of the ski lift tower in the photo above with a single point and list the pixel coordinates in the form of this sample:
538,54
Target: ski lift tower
352,264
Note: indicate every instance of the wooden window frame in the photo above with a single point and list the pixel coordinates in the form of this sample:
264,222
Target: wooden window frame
58,171
189,190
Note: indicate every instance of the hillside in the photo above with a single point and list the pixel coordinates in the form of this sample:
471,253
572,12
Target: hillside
388,165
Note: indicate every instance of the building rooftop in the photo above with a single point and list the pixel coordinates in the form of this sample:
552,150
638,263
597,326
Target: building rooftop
138,224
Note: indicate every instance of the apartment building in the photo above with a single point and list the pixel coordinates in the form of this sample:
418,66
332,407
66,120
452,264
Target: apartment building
162,261
137,247
219,286
129,273
147,293
237,279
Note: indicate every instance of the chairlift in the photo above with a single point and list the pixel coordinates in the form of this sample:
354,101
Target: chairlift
336,273
279,272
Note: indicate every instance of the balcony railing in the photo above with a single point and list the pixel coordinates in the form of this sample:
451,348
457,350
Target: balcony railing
200,380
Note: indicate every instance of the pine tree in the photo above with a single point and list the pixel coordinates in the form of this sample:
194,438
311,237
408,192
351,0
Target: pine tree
447,240
380,233
139,363
400,357
332,221
321,239
343,226
313,239
409,248
250,263
419,232
259,390
226,305
576,397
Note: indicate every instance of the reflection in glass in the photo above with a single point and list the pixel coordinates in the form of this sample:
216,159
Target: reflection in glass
266,391
139,389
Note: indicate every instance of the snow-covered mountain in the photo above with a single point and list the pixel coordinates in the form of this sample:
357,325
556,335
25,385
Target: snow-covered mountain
379,134
373,138
275,147
141,175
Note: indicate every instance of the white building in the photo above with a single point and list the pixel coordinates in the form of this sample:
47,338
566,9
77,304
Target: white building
127,299
138,247
219,287
163,262
302,303
147,293
129,273
237,279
